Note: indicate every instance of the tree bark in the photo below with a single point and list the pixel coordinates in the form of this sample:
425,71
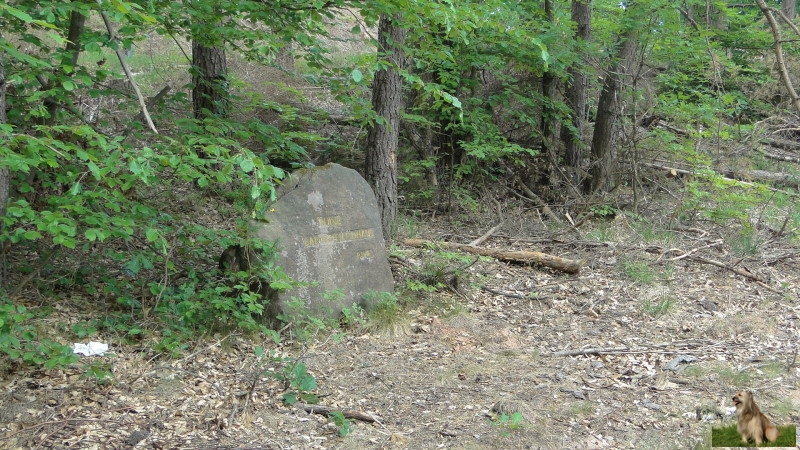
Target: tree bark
577,89
5,175
549,85
607,114
209,80
789,8
781,62
77,21
387,100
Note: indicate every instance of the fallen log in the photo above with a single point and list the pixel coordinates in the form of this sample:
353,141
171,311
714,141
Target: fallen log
554,262
779,178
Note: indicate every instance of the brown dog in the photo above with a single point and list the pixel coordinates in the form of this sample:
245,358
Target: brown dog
752,423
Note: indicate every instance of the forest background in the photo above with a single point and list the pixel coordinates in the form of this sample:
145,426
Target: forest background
583,110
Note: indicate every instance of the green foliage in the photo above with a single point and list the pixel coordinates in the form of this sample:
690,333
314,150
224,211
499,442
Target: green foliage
607,211
512,422
638,271
23,342
352,316
294,375
386,316
344,425
100,371
747,241
440,270
305,323
659,306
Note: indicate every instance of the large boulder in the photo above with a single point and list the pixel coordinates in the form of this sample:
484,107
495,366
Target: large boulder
327,228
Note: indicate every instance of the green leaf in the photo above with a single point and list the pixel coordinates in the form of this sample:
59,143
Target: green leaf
290,398
151,234
21,15
68,85
247,165
356,75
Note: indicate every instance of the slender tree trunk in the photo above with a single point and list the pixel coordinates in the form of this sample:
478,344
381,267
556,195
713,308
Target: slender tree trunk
778,48
607,114
549,84
5,175
209,80
387,100
77,21
577,89
789,8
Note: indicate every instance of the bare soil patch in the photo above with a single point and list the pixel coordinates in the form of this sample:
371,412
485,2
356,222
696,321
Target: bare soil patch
642,349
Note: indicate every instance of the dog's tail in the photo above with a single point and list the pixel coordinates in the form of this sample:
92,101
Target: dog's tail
771,432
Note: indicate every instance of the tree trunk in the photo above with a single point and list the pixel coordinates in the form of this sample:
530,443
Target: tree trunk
387,100
210,81
778,48
577,89
5,175
607,114
77,21
789,8
549,84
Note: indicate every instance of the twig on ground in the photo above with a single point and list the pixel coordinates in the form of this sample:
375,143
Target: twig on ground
654,348
554,262
327,411
683,254
509,294
743,272
486,235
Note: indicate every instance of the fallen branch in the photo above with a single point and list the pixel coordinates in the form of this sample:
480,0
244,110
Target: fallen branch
531,196
592,351
150,103
486,235
761,175
736,270
112,37
327,411
554,262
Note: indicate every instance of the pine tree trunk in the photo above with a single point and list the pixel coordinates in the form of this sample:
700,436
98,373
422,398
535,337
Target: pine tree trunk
209,77
577,89
607,114
387,100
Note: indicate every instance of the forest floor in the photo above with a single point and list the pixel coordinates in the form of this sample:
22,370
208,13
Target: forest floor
643,348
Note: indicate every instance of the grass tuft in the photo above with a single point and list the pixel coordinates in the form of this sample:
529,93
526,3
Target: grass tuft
729,437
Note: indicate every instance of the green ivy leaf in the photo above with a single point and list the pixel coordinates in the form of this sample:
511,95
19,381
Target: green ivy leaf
356,75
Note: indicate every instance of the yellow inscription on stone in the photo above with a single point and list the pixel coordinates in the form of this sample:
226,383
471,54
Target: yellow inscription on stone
332,238
366,254
328,221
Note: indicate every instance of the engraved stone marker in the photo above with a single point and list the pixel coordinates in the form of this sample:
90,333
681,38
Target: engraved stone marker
328,230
